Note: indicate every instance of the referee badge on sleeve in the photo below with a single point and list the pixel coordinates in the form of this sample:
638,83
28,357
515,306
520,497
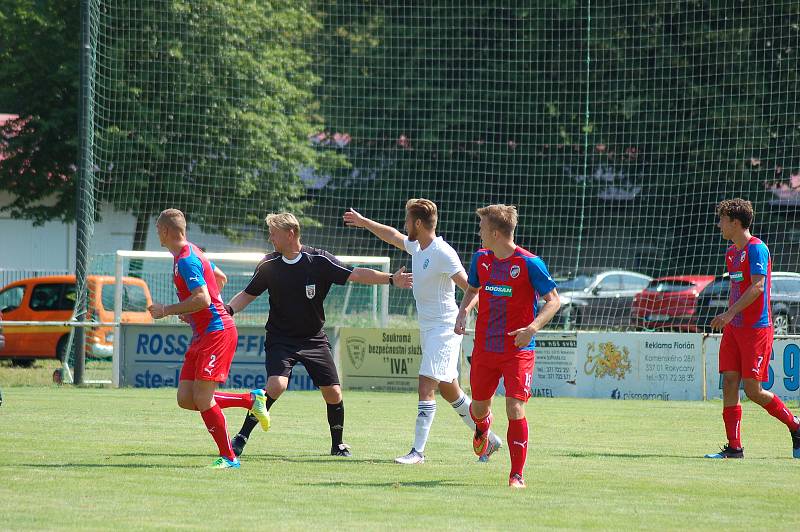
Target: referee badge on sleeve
311,290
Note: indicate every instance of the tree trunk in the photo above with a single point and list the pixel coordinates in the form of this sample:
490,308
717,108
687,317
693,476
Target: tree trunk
139,242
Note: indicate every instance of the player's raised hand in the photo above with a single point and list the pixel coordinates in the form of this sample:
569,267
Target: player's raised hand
403,279
522,337
157,310
353,219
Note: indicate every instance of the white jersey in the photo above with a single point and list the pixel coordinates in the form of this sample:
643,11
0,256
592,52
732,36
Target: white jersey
434,289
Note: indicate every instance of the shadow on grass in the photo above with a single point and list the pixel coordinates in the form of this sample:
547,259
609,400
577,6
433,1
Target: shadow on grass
110,466
261,457
589,454
403,484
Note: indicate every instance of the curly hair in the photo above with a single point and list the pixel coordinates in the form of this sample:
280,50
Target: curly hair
737,209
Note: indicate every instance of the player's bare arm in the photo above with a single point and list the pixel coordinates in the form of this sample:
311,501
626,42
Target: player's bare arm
239,302
469,301
390,235
199,300
753,292
220,276
522,337
460,279
401,278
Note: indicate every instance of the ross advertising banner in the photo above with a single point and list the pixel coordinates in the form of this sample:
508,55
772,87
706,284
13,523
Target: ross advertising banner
151,357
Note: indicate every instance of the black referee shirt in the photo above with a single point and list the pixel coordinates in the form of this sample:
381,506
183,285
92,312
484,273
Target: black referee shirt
297,290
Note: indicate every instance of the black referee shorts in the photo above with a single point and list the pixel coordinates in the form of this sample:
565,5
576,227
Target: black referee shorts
314,353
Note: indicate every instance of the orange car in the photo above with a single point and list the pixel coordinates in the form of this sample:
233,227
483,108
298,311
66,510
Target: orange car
52,298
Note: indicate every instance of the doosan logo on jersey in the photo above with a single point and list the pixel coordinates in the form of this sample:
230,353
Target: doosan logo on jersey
499,290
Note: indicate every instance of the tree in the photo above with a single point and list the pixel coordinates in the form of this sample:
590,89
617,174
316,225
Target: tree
202,105
39,79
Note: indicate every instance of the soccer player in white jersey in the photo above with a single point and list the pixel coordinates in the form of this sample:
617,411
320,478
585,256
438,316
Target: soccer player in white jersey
437,269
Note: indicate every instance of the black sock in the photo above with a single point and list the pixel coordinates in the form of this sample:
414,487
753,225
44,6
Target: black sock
336,422
250,421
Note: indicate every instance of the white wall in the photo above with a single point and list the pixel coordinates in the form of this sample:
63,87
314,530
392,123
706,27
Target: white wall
52,246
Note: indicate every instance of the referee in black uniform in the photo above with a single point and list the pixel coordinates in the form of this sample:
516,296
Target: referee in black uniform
298,278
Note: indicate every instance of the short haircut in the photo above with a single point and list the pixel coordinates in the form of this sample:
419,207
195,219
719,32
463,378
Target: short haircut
283,220
501,217
423,210
737,209
173,219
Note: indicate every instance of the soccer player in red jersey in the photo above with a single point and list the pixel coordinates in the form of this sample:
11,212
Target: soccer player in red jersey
507,280
210,353
747,331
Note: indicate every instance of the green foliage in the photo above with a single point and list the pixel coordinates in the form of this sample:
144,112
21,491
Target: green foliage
39,82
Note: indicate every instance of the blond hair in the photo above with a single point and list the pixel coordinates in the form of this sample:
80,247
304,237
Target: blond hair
172,219
283,220
501,217
423,210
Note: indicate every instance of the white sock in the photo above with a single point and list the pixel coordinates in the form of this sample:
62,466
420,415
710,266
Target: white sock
426,412
461,406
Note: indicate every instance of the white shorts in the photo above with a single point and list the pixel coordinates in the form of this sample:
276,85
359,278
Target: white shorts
441,349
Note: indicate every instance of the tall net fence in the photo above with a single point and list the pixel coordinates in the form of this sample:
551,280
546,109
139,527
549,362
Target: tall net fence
614,127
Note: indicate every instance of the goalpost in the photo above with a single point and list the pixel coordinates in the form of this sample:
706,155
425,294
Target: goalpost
162,280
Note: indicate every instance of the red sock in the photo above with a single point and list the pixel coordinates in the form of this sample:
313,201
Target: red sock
517,436
777,409
218,428
481,424
235,400
732,416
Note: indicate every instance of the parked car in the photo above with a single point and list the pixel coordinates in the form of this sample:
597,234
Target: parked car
785,295
669,303
602,300
2,338
52,298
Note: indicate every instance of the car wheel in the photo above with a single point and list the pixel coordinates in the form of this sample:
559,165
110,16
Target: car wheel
780,322
22,362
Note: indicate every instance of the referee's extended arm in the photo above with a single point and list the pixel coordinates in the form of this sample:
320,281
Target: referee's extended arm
239,302
400,278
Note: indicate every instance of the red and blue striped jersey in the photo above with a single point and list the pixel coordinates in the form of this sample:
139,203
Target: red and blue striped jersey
742,264
190,270
510,290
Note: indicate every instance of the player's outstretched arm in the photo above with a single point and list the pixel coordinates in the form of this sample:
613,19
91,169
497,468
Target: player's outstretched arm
239,302
390,235
199,300
400,278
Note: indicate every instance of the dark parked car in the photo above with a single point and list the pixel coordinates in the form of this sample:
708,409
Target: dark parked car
713,300
602,300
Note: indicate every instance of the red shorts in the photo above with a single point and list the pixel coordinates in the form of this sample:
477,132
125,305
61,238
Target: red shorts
746,351
209,356
515,368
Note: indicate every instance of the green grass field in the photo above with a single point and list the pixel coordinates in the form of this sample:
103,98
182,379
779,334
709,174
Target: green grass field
131,459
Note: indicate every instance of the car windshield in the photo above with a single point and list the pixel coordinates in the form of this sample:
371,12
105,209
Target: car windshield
720,287
669,286
578,283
